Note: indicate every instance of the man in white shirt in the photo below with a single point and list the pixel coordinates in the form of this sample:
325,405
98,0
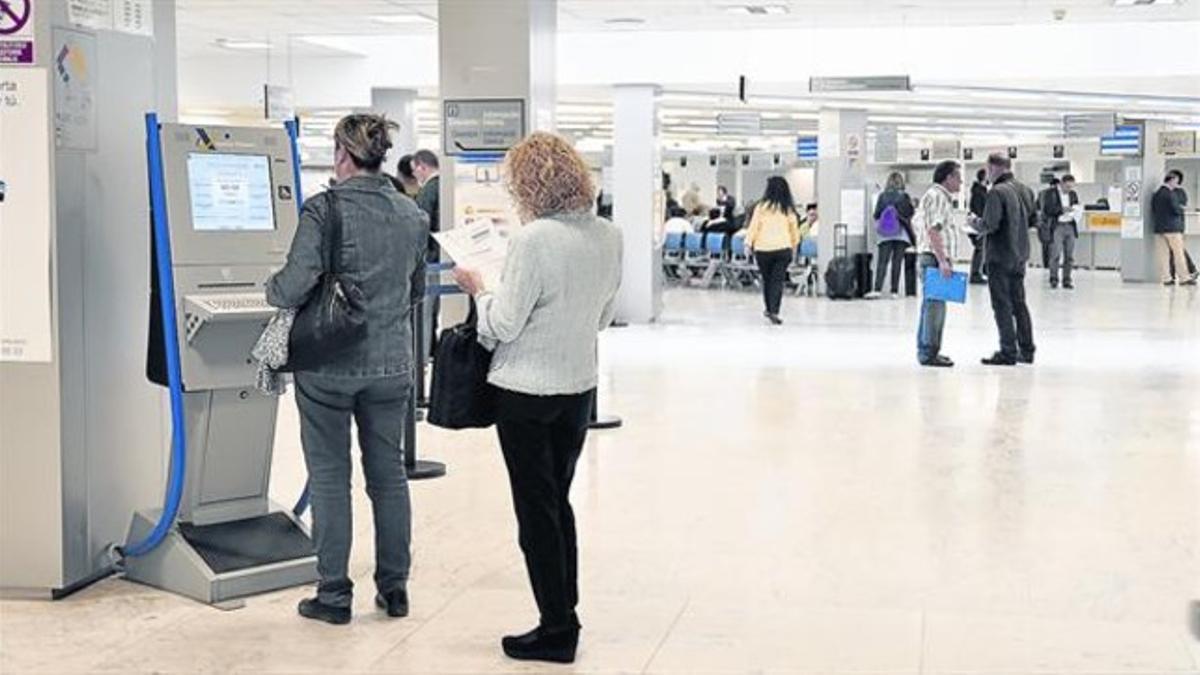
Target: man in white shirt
1064,208
936,243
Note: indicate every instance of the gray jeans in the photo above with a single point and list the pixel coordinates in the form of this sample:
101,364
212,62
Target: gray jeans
933,318
378,406
1062,252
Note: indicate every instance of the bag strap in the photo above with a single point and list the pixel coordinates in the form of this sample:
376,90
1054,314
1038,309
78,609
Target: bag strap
333,232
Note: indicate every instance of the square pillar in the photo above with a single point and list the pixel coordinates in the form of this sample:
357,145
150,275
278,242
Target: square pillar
638,202
842,156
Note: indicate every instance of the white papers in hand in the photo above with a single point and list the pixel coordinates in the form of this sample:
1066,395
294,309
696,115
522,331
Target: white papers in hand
479,246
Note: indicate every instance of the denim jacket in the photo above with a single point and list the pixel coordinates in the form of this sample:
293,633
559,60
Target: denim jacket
384,238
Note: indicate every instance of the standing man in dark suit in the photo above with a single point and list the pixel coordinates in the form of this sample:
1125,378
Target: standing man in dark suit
978,199
1060,210
1007,216
425,169
1045,223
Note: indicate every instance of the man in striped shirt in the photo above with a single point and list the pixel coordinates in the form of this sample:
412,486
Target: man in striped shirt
936,242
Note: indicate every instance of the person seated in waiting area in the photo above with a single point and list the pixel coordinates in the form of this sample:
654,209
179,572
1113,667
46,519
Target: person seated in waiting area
678,223
811,219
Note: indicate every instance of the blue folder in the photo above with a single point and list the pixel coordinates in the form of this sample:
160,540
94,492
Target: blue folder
938,287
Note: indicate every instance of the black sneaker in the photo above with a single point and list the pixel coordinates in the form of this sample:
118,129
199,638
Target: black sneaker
1189,282
395,603
938,361
998,359
1070,286
539,644
311,608
1026,358
1169,282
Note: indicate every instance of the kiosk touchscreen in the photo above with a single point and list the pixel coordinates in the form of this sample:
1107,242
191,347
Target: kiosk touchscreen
230,216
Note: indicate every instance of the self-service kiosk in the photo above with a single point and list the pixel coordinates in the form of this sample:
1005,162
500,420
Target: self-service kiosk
224,201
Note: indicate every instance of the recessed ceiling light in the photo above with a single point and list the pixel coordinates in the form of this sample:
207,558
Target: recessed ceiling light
403,19
625,21
757,10
244,45
1132,3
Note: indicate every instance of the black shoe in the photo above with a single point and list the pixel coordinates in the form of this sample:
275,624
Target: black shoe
1053,284
978,281
1189,282
311,608
1169,282
1026,358
539,644
773,318
938,362
395,603
998,359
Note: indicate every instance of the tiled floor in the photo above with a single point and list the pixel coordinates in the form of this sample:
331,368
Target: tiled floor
801,499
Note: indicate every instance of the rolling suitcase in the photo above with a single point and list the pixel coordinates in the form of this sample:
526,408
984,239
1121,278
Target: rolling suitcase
862,274
840,279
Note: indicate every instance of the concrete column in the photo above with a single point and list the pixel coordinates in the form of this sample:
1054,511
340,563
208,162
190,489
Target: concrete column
842,156
1138,261
400,106
637,200
496,49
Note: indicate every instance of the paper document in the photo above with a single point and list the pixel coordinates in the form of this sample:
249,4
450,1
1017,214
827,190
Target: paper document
478,246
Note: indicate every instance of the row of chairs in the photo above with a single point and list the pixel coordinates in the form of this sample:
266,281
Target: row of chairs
704,259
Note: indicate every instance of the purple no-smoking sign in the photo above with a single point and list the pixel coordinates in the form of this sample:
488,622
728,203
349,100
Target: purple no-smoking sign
16,31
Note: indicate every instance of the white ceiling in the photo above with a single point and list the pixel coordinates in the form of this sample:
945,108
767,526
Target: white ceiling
202,22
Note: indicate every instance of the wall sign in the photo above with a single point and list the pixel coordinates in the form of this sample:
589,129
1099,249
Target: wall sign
887,145
126,16
852,145
1059,152
946,149
806,147
25,216
1012,152
74,90
482,125
279,104
1131,196
16,32
878,83
1176,142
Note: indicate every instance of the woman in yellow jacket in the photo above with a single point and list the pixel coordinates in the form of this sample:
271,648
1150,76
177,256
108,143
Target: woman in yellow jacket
774,235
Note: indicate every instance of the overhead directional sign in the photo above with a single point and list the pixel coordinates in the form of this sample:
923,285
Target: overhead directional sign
872,83
1089,125
739,124
806,147
482,125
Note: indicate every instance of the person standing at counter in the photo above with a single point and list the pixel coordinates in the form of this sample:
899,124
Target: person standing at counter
1167,207
383,252
1061,210
774,235
726,203
1044,222
978,199
558,291
893,223
1009,213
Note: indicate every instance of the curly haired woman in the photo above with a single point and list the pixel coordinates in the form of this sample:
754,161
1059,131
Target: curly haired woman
556,294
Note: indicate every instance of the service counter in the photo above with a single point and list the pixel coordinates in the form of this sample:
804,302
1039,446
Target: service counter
1099,243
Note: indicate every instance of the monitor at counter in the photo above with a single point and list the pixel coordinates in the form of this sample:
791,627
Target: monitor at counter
230,192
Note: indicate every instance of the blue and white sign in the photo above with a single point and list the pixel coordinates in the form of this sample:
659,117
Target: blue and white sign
1125,140
806,147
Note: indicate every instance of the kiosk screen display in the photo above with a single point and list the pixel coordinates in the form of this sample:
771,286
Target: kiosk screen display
230,193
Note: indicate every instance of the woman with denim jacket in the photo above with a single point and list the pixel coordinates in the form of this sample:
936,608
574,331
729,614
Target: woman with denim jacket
382,251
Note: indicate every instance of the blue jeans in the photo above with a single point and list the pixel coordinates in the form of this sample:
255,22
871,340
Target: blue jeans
378,406
933,318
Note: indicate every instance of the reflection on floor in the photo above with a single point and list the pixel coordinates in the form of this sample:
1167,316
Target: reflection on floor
792,499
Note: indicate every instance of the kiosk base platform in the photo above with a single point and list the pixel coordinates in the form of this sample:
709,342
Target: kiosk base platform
221,562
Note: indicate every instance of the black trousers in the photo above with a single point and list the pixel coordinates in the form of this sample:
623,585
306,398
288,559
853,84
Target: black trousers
773,265
893,251
1191,265
542,437
1007,288
976,257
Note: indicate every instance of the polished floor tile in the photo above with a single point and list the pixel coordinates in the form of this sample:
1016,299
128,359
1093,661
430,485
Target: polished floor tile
794,499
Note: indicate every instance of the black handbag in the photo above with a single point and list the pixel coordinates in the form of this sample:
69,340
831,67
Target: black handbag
460,396
334,319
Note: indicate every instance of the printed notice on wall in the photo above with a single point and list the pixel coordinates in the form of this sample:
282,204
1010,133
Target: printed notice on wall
93,14
74,90
854,212
24,215
134,16
16,32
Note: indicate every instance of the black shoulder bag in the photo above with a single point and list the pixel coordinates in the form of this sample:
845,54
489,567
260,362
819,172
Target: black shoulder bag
459,395
334,320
